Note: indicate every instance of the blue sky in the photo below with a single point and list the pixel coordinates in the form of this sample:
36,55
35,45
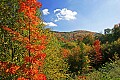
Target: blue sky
70,15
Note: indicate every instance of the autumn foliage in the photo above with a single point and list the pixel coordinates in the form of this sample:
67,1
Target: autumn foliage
28,51
34,43
97,48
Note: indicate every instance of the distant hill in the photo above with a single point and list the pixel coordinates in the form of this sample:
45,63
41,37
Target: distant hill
73,34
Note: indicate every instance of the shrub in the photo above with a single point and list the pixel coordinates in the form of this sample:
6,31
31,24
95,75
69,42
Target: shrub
109,49
78,60
109,71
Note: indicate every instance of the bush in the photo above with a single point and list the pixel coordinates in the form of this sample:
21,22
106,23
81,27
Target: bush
109,71
78,60
109,49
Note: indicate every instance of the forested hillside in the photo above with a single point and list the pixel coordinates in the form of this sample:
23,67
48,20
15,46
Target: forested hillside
30,51
73,35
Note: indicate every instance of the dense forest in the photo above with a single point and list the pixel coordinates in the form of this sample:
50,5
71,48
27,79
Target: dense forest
30,51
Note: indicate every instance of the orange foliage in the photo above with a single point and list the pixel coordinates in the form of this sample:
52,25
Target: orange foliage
65,52
81,77
97,49
36,60
13,69
21,78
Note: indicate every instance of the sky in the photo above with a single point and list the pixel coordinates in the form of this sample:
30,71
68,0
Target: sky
71,15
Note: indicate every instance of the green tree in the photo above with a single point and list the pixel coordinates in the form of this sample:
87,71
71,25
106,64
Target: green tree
116,32
8,16
89,39
55,67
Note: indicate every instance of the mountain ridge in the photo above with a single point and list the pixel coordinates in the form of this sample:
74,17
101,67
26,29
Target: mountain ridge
73,35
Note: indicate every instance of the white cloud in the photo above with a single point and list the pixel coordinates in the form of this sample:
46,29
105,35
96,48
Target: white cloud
50,24
64,14
57,10
45,12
